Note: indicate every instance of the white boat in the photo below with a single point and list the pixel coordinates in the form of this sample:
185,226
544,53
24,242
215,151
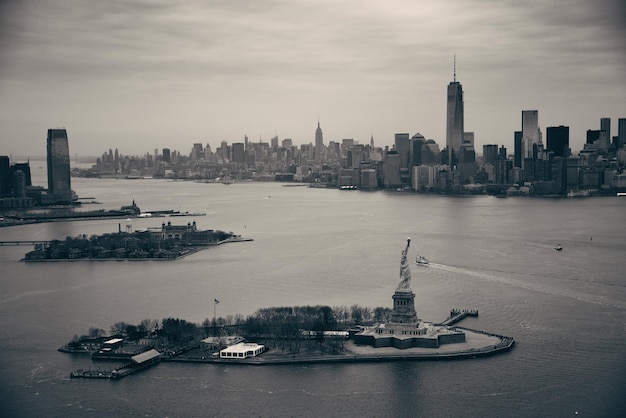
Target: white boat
420,259
558,247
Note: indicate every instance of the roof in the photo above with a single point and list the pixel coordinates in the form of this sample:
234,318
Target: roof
241,348
145,356
114,341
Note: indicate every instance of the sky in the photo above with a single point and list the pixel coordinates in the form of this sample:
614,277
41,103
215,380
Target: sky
143,74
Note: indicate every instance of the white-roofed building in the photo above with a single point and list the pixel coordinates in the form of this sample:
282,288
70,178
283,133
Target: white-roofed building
242,350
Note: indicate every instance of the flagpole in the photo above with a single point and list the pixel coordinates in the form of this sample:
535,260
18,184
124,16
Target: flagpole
215,302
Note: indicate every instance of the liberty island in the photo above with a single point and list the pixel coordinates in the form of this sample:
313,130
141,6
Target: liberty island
403,337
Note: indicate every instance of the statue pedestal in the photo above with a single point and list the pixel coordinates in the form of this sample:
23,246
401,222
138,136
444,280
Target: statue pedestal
404,307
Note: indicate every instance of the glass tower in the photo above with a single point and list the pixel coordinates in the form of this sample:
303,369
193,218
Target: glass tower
454,125
59,166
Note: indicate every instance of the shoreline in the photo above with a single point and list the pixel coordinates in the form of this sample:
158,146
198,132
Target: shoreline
183,255
480,344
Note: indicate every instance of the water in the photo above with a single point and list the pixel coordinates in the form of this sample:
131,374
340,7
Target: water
313,246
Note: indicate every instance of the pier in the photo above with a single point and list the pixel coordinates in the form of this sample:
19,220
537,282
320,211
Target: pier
457,314
137,363
18,243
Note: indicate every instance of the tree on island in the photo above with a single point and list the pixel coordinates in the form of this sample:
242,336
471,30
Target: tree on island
284,328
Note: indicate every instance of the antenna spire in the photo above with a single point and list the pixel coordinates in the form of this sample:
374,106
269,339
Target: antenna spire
455,68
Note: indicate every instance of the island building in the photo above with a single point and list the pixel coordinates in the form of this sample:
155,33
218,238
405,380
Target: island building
405,329
242,350
58,159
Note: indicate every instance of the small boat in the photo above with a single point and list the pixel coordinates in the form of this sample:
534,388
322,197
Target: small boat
420,259
558,247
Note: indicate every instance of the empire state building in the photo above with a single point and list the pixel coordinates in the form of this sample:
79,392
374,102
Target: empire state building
454,125
319,142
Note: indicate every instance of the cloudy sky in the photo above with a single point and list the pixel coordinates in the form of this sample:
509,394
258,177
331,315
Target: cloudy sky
143,74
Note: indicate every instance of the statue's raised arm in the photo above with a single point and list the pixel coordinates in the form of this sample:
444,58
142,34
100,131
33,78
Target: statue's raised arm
405,270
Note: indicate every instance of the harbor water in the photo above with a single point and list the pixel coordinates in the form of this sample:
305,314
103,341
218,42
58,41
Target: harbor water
565,309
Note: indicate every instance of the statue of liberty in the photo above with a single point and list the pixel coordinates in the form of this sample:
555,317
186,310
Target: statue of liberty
405,270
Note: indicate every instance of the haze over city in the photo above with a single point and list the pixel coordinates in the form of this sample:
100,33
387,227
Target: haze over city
137,75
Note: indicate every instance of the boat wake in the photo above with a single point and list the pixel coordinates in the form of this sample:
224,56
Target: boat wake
535,287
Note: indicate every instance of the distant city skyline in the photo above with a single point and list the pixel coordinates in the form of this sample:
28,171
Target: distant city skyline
138,76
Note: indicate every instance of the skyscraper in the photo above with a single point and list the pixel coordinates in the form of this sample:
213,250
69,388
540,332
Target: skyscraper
517,149
530,132
59,166
490,154
454,120
621,132
319,142
558,140
605,125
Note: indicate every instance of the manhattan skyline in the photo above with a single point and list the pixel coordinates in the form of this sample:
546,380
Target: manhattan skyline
143,75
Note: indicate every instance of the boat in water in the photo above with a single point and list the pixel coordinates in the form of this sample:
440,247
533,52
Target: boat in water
420,259
558,247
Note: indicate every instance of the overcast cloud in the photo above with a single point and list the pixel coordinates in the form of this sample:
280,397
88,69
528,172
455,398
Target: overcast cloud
138,75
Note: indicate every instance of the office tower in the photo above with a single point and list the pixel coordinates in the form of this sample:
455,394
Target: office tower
530,132
605,125
454,117
621,132
319,142
558,140
5,176
415,150
597,138
59,186
166,155
403,148
391,169
197,152
490,153
517,149
238,152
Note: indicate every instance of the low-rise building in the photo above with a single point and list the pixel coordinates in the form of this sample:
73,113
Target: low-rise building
242,350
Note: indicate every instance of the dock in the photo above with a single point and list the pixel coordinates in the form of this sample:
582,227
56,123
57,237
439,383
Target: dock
139,362
19,243
457,314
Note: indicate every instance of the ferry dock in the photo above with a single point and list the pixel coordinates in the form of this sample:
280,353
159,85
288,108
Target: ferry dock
139,362
458,314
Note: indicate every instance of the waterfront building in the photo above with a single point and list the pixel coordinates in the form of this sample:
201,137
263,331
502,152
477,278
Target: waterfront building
369,180
58,159
405,329
572,170
423,177
557,141
454,118
391,169
242,350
